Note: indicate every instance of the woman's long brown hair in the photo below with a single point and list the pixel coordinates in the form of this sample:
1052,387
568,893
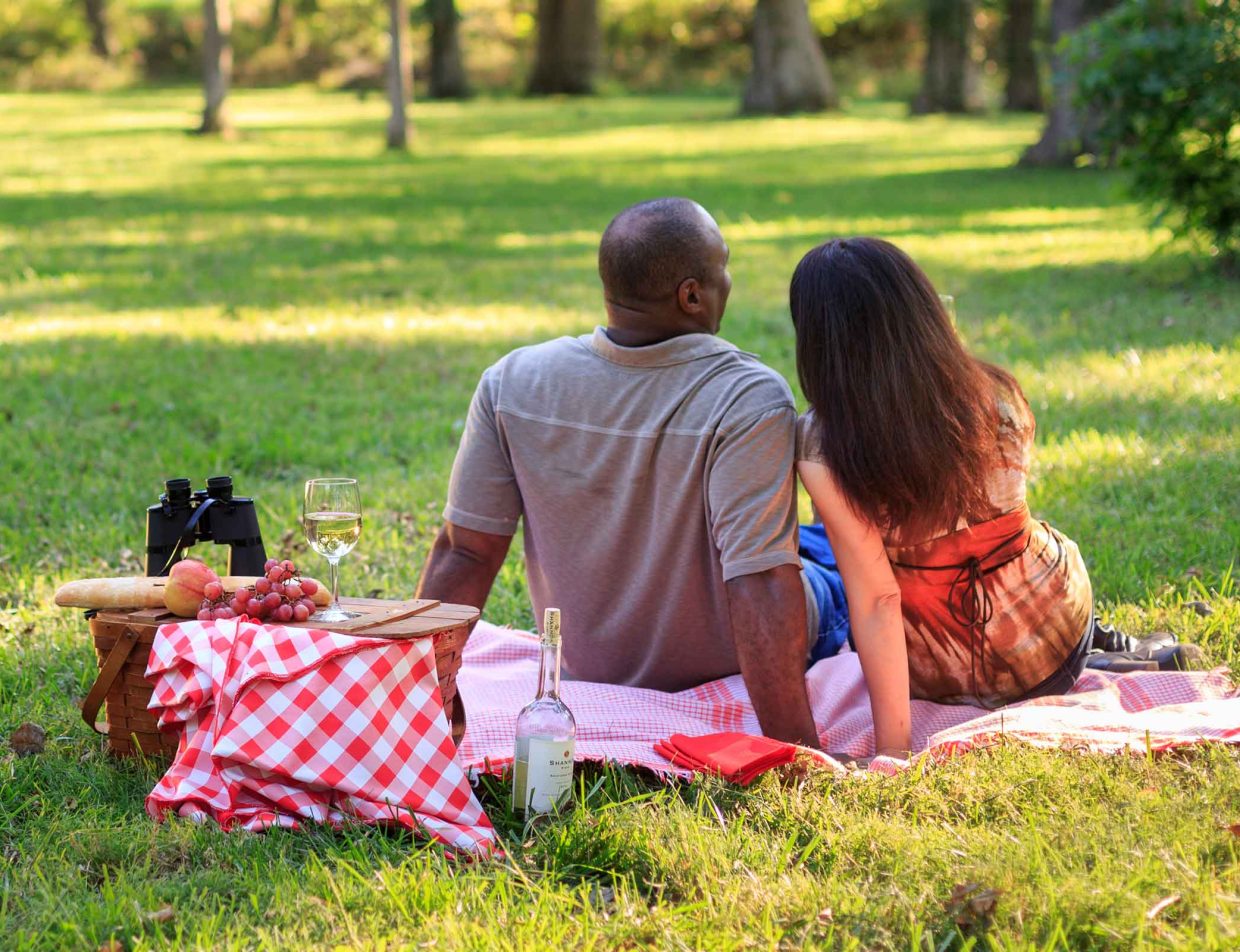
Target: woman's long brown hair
905,417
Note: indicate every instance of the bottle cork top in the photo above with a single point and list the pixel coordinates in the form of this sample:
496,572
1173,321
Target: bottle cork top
551,627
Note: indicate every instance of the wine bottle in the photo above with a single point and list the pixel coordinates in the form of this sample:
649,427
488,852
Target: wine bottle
542,777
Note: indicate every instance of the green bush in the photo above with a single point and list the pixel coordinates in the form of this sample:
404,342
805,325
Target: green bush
30,29
166,44
1163,77
76,68
656,44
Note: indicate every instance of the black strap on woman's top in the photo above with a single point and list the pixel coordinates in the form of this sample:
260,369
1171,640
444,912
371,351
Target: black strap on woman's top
972,607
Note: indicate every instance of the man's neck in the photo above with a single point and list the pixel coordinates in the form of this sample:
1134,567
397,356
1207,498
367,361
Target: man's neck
631,327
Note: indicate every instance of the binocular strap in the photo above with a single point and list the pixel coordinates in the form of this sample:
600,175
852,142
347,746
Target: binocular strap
107,676
189,528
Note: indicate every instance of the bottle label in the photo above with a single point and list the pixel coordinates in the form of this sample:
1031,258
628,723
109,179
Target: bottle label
548,775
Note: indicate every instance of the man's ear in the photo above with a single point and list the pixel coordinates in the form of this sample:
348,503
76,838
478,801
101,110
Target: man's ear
689,296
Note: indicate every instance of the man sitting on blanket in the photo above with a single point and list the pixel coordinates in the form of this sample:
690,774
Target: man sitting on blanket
652,464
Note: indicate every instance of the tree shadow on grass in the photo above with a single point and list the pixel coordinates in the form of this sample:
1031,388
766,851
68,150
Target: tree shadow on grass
447,244
749,183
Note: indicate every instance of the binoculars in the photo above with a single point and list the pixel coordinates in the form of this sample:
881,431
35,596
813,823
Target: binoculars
184,517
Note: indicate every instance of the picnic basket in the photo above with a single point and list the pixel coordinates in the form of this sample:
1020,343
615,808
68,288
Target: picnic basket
123,639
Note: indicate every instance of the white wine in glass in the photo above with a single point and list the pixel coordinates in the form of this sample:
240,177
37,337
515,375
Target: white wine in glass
332,517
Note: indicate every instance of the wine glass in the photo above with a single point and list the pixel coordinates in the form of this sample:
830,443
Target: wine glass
332,518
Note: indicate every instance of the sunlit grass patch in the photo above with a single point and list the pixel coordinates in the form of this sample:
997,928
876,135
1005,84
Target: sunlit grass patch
369,323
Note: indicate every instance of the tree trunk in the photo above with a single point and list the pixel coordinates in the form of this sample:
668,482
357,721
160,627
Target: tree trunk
789,72
949,79
216,64
1067,133
101,42
567,56
1023,90
447,79
279,18
398,123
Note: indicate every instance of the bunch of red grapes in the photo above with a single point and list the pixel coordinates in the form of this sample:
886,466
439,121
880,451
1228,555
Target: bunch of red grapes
279,596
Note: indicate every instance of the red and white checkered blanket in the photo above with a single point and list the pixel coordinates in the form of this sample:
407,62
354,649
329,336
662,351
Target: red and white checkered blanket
1107,713
284,725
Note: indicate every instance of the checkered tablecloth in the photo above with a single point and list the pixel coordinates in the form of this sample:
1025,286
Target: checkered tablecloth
288,725
1107,713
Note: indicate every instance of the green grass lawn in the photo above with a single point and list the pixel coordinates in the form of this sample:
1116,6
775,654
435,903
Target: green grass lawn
298,303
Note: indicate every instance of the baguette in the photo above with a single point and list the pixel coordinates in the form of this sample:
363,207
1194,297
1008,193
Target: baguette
112,593
145,592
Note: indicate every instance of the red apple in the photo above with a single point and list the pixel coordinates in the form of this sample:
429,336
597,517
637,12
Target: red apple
184,591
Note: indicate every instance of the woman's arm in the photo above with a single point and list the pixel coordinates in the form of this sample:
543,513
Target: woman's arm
873,608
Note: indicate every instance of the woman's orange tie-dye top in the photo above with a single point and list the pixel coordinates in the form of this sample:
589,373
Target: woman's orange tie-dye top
995,606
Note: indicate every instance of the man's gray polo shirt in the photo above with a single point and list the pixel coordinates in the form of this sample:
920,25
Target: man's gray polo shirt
646,478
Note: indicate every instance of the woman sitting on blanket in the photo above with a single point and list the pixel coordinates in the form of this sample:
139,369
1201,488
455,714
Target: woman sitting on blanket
915,454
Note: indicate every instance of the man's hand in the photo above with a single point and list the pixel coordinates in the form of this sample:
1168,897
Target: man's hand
770,631
462,565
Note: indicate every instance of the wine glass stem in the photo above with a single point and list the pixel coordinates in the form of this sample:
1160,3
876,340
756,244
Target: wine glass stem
333,568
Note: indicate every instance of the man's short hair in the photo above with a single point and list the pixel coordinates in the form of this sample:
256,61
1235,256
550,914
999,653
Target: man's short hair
650,248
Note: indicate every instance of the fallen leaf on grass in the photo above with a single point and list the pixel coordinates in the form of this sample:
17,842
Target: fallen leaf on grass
112,945
1234,829
28,739
1200,607
825,916
164,914
972,905
1157,909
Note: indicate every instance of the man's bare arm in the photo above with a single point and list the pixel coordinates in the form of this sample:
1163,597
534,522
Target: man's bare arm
462,565
769,629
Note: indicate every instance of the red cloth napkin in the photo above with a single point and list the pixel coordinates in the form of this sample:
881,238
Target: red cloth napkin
739,758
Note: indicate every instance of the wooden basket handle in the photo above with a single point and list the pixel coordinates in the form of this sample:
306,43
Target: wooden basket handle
107,677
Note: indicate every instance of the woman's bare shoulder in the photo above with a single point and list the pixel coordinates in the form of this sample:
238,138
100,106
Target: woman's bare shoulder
809,447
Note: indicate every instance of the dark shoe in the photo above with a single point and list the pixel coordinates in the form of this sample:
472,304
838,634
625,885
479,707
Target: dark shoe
1118,662
1179,657
1148,654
